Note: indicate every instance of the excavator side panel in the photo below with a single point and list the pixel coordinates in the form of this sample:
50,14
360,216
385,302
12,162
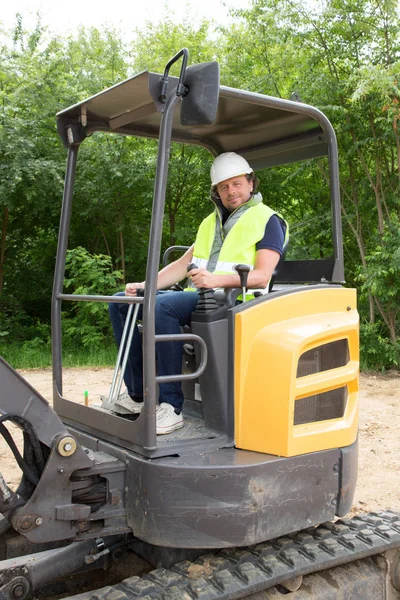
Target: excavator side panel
296,360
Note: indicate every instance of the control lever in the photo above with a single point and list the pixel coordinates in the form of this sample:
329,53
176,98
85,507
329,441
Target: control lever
207,301
194,266
243,272
123,352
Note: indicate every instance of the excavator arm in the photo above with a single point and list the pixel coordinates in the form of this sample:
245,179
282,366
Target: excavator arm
47,513
68,497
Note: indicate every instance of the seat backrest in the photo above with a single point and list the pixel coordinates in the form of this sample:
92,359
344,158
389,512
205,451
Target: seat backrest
278,266
171,250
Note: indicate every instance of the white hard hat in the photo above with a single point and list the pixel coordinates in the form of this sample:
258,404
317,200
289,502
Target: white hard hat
228,164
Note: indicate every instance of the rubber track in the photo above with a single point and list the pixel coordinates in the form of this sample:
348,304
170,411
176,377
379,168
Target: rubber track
236,573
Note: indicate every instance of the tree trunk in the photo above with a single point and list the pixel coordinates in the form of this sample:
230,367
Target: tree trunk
374,185
103,235
172,226
392,327
122,253
389,319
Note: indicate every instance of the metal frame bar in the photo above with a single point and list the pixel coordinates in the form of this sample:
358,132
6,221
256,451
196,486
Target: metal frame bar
113,299
170,250
56,337
181,337
153,261
146,433
122,358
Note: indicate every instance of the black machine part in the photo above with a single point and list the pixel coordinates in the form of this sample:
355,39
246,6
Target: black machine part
243,272
207,301
75,492
19,577
357,559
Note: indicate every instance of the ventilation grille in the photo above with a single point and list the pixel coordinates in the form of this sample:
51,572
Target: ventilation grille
320,407
325,357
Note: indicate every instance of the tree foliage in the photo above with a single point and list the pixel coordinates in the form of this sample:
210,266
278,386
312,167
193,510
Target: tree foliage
87,322
342,56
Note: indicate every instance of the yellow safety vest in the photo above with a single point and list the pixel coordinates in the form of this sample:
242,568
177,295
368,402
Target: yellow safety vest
239,245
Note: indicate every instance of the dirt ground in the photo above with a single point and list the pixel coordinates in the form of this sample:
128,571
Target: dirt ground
379,462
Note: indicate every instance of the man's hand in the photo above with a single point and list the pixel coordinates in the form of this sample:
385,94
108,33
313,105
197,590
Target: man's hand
130,288
202,278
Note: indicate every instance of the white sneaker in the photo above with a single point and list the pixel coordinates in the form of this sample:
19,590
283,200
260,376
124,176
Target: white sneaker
167,420
125,402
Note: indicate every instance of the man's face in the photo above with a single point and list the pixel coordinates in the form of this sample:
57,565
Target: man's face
234,191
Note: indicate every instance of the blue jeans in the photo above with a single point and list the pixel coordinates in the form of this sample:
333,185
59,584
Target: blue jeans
173,310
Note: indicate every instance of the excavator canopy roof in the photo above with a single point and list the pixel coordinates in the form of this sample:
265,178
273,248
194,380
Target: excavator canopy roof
267,131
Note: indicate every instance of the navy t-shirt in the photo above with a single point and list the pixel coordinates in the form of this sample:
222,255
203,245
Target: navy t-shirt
274,235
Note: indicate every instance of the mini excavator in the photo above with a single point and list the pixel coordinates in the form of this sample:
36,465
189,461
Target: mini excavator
248,499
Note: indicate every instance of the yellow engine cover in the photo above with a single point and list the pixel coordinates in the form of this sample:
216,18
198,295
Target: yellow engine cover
269,340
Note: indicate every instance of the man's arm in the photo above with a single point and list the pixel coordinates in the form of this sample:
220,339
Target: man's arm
266,261
175,271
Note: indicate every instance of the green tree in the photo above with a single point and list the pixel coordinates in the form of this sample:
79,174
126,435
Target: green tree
39,75
36,81
156,43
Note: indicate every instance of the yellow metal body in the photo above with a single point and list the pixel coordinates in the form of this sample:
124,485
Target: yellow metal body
270,338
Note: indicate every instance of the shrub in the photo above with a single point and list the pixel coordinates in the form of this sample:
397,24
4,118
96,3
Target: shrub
87,323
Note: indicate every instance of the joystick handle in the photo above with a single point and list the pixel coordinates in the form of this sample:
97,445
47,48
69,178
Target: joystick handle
243,272
206,302
191,266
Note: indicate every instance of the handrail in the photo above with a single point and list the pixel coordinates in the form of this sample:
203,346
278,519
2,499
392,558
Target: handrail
174,337
113,299
170,250
180,89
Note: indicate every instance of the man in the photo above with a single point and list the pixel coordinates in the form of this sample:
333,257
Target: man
241,229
